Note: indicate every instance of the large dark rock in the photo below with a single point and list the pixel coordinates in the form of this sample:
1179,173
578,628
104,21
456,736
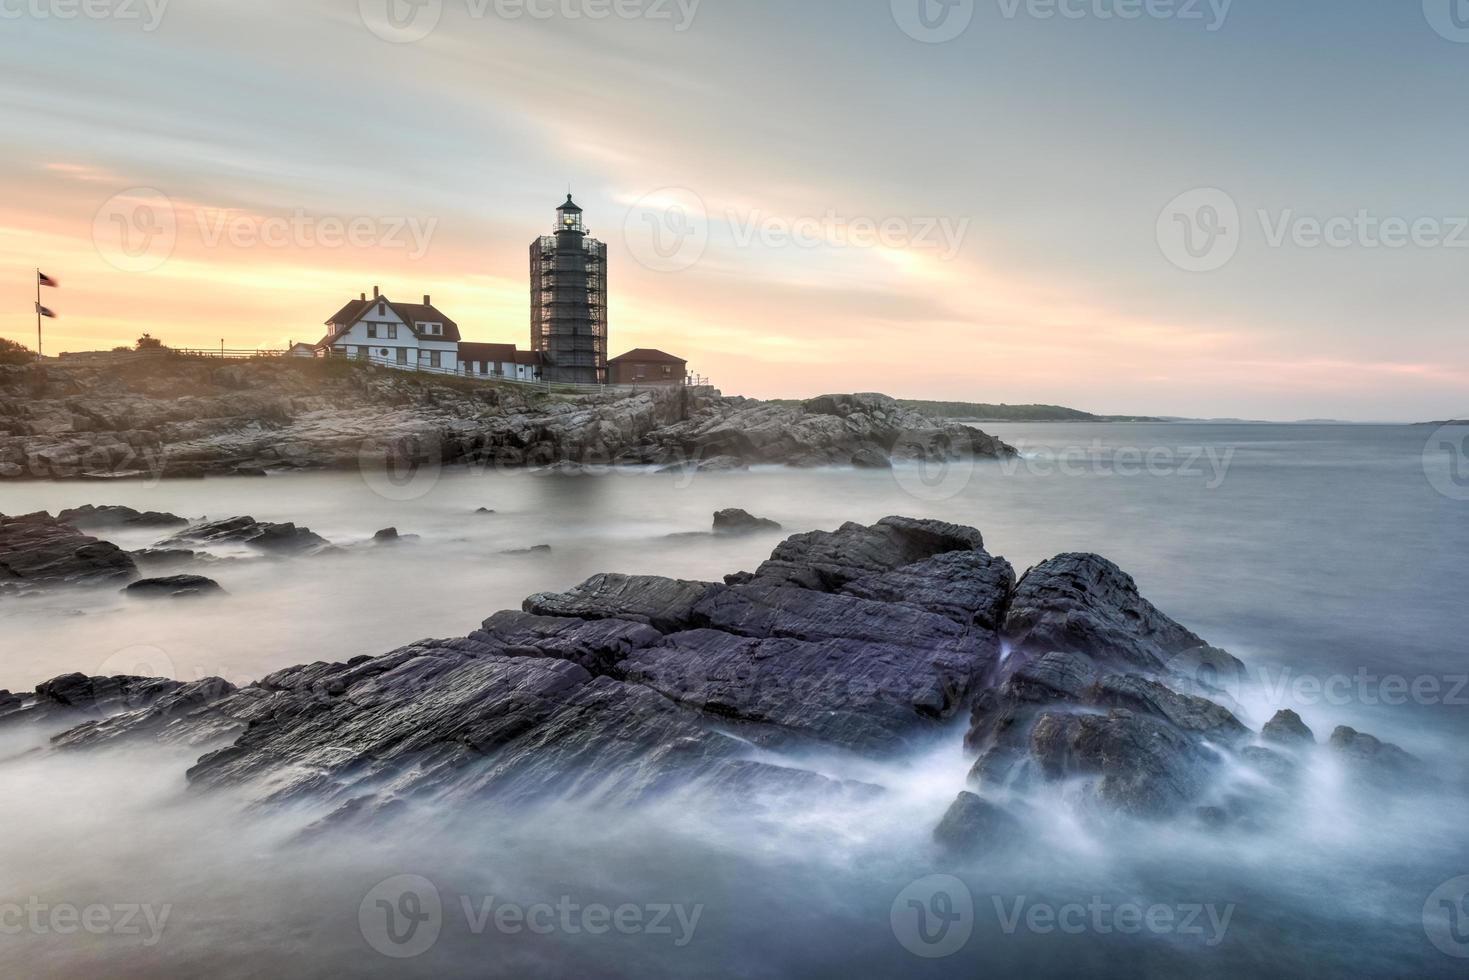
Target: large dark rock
37,551
155,714
736,521
975,826
866,640
599,645
1369,758
969,587
434,721
75,698
828,560
1183,711
174,587
90,518
869,695
666,604
279,539
1287,728
1085,604
1134,762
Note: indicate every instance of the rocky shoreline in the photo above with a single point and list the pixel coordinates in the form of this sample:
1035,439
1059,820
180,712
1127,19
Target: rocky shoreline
868,640
181,417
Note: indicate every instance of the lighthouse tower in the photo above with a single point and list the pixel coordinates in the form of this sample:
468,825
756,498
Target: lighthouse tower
568,301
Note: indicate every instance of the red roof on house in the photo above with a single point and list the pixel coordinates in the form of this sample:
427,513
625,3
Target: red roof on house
647,355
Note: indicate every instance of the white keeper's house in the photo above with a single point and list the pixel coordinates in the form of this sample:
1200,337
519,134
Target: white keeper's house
418,337
406,335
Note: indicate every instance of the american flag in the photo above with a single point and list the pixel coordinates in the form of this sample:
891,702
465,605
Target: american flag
46,280
43,311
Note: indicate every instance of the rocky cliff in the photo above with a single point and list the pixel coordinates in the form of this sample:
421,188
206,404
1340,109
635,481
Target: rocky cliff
176,416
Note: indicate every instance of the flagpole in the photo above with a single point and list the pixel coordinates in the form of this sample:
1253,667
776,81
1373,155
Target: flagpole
38,312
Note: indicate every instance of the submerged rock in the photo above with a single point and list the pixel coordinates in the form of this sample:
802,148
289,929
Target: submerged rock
73,699
38,551
279,539
174,587
1287,728
89,518
975,826
1138,763
736,521
1374,760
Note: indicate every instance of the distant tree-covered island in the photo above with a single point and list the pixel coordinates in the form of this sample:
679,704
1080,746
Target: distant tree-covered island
1016,413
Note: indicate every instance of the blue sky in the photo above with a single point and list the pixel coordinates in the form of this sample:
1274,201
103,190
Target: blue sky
1026,175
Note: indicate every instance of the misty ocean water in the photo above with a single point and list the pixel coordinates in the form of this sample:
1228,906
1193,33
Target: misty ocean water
1321,555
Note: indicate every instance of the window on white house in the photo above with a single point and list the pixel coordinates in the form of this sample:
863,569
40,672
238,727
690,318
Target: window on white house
434,359
402,355
372,331
392,331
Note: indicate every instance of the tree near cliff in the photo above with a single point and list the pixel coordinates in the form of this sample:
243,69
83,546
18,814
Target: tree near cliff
13,353
149,342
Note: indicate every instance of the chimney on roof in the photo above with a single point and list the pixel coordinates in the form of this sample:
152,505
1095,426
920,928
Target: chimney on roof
426,300
374,292
362,296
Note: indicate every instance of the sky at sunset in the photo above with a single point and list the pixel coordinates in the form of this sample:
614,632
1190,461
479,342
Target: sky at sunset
1258,211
